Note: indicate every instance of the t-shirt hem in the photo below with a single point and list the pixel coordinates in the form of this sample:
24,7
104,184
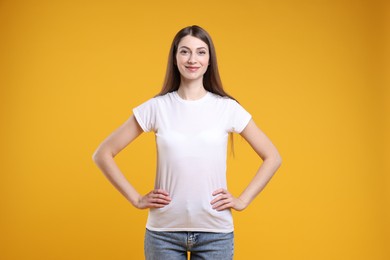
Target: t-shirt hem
211,230
246,122
139,121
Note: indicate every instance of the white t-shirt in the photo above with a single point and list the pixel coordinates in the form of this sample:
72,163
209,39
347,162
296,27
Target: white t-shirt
191,137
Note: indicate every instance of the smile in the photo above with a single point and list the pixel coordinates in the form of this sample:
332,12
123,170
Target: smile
192,69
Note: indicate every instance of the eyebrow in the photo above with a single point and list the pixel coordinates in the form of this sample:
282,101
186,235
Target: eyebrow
190,48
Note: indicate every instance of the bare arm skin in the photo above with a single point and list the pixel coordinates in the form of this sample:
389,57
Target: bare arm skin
104,159
271,162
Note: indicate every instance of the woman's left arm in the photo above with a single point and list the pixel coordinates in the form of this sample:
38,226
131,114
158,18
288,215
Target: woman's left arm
263,146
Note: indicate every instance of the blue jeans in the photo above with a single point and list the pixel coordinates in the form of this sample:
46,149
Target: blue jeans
201,245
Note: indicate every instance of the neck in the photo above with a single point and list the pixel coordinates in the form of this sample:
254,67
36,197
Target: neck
191,90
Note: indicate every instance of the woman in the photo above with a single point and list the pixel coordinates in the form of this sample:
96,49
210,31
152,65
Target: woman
190,206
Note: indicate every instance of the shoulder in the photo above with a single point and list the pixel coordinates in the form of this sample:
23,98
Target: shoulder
160,99
168,97
224,101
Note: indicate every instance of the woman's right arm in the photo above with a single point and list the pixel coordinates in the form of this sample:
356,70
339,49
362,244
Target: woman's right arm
104,159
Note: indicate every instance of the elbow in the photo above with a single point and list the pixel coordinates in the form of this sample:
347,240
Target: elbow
102,154
275,160
98,156
95,156
278,161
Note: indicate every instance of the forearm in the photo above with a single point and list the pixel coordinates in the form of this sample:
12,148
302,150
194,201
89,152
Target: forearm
260,180
110,169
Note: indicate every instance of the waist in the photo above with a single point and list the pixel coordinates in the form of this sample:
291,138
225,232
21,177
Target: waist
190,217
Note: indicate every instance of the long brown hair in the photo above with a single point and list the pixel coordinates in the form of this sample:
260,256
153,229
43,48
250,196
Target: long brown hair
211,79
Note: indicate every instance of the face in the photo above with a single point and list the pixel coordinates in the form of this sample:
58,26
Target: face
192,58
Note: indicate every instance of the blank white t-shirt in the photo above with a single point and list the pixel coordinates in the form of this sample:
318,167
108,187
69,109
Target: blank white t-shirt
191,137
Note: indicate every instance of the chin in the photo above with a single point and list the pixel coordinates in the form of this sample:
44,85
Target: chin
193,78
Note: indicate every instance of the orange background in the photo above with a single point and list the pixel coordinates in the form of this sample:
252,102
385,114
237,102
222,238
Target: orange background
314,75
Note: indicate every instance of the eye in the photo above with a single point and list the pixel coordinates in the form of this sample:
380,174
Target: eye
183,51
202,52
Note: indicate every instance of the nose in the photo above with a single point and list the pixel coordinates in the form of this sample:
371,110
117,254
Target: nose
191,59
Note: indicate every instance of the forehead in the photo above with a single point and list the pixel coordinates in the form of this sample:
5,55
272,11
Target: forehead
192,42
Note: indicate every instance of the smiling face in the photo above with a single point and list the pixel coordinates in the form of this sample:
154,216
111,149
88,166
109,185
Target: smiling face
192,58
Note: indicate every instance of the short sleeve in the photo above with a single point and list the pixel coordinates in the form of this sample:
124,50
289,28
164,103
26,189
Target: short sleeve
239,117
145,114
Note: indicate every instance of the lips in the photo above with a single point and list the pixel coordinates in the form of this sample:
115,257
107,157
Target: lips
192,69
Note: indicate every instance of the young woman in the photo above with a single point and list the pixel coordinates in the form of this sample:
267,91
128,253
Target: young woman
192,117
